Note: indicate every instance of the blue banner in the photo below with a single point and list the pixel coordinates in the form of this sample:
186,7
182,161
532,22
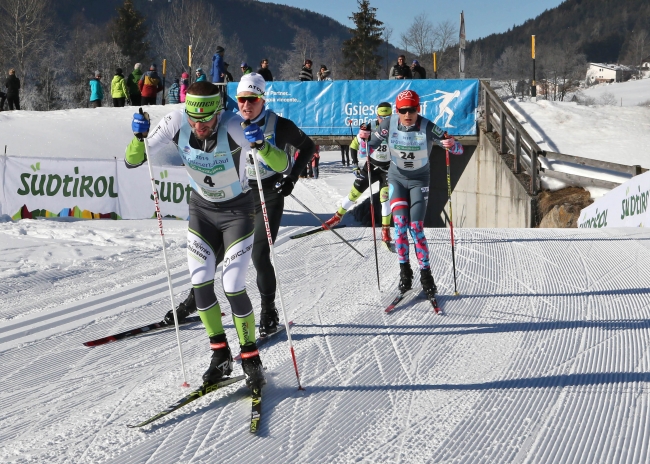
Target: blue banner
333,107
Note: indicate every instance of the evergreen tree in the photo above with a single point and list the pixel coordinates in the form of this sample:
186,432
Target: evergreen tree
360,52
129,31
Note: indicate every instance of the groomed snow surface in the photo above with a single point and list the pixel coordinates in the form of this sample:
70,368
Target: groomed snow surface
543,357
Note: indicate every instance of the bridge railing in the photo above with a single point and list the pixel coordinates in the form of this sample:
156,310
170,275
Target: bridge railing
514,139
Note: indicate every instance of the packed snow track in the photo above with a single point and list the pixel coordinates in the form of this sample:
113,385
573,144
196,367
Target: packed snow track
543,357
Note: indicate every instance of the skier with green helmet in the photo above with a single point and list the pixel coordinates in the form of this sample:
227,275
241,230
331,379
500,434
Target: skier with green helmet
213,145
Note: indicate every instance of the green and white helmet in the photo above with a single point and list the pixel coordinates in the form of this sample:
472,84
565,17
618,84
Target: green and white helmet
202,108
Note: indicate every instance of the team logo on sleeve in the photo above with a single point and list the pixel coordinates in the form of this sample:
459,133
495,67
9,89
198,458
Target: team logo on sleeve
438,132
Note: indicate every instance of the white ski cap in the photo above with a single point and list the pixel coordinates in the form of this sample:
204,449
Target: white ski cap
252,82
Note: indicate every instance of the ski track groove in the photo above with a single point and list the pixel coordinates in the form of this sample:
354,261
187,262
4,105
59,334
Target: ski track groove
544,328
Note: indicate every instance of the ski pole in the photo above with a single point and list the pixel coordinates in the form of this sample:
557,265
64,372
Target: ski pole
372,212
451,219
164,249
273,260
325,226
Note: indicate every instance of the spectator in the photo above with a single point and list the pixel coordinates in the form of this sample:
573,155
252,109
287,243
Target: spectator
245,69
96,91
132,82
174,93
149,85
228,77
13,90
314,162
218,69
345,154
324,73
400,70
264,70
200,75
185,83
418,71
305,72
3,97
119,89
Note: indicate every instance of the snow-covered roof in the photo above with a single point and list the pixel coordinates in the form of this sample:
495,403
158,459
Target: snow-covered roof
613,67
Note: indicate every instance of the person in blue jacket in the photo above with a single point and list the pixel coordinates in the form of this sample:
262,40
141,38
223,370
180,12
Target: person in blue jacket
96,91
218,68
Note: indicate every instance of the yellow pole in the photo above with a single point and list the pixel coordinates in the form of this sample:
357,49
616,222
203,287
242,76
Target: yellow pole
189,61
533,85
435,65
164,67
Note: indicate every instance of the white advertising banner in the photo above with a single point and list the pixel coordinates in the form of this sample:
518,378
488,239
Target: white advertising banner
89,188
624,206
172,183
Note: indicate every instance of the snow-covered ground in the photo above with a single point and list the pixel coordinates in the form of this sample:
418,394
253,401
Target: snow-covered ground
542,358
630,93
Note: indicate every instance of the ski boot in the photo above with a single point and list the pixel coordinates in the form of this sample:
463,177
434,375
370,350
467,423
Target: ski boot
385,234
184,309
405,277
269,319
221,362
428,285
252,366
334,220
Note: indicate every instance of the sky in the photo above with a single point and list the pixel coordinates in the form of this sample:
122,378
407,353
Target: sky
481,18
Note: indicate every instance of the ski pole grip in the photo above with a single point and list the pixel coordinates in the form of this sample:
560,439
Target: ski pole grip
244,125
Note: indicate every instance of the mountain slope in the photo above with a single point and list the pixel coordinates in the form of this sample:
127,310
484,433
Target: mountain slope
602,29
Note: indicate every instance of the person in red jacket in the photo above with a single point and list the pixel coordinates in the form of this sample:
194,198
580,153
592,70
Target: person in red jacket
150,84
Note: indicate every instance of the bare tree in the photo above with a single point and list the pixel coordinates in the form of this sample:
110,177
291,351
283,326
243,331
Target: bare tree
445,36
511,68
305,45
420,36
386,35
638,45
188,23
330,56
561,69
24,26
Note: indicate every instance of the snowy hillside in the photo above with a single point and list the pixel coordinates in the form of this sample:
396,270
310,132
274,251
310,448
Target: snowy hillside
629,93
543,357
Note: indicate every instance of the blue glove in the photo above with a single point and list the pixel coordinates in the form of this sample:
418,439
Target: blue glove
357,172
140,125
254,134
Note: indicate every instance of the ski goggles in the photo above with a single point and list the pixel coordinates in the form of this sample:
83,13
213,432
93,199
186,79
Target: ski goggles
249,98
202,108
407,110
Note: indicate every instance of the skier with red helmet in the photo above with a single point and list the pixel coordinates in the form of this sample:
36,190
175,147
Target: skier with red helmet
410,139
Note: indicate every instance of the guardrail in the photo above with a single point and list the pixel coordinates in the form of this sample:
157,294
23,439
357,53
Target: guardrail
514,139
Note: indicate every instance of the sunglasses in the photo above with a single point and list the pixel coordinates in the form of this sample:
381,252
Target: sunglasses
204,119
249,98
407,110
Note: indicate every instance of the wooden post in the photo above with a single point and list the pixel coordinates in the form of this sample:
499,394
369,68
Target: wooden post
517,165
488,110
533,171
503,148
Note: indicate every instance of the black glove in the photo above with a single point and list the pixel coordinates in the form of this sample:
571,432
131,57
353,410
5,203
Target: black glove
285,186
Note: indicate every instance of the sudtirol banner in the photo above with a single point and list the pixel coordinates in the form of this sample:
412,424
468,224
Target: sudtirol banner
90,189
332,107
624,206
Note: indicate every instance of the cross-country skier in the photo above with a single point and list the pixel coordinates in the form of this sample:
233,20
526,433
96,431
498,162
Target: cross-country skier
213,147
410,139
379,160
282,133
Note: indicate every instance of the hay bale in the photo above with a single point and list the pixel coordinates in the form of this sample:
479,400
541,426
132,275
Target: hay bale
576,196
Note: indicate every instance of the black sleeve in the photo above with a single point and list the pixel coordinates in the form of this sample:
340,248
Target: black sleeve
287,133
